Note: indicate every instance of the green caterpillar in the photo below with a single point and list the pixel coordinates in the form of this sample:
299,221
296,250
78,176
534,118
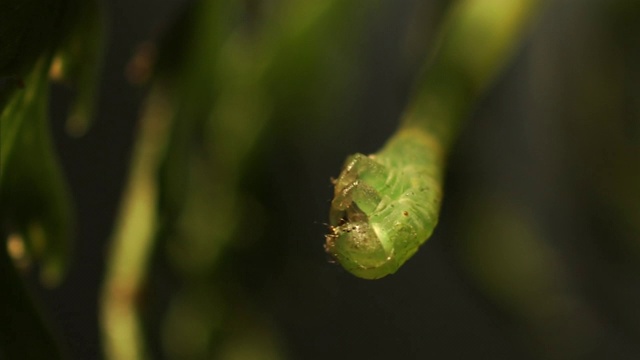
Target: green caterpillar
386,205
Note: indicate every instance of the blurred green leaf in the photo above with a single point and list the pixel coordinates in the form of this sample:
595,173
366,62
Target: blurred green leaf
34,201
78,60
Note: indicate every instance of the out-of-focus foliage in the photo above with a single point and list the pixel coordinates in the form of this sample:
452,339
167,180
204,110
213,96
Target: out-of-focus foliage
27,31
78,60
227,75
34,198
64,38
35,210
550,231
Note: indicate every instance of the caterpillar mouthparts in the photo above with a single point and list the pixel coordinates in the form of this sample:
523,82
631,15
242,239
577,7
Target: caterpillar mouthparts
357,246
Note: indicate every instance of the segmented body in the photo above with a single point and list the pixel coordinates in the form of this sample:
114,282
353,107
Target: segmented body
386,205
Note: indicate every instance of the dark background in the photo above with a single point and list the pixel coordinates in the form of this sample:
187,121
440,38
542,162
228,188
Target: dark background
528,143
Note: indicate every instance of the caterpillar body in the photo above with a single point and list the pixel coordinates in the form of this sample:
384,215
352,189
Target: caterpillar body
386,205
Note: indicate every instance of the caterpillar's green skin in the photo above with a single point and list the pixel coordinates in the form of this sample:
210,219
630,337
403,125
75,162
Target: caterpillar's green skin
386,205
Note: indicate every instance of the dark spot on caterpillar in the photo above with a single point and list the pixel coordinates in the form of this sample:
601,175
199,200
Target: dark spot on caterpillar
405,213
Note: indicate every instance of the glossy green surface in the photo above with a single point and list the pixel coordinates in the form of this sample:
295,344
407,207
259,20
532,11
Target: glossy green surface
386,205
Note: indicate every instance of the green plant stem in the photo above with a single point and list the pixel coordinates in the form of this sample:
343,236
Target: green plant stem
386,205
179,95
132,241
219,96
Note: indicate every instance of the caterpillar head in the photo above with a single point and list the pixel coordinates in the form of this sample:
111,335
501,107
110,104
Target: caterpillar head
359,249
353,241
